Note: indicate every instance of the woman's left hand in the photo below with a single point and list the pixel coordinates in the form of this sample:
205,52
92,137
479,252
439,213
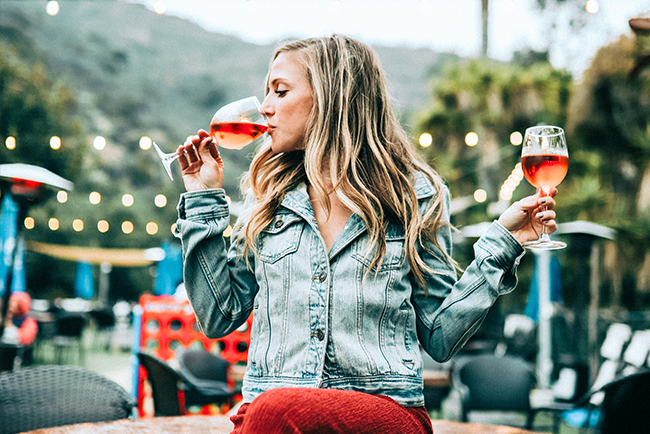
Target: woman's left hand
526,217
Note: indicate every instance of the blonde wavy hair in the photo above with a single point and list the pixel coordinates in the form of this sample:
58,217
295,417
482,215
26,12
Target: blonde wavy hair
353,130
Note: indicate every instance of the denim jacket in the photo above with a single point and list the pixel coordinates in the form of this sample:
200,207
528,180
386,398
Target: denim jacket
316,321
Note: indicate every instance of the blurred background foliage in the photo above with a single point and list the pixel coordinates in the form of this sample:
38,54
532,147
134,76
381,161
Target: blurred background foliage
96,70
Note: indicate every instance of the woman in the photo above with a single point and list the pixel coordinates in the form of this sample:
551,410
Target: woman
343,254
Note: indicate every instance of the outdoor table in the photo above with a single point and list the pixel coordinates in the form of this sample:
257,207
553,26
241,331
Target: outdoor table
222,425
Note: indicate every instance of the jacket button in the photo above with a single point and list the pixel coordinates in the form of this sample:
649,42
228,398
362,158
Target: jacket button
320,334
279,224
322,276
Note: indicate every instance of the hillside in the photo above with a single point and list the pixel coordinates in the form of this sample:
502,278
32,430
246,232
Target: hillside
137,73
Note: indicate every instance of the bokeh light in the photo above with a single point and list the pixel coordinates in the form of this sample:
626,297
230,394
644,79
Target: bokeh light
152,228
471,139
425,140
592,6
228,231
29,223
95,198
480,195
516,138
127,200
102,226
99,143
53,224
62,196
10,142
160,200
127,227
145,143
55,142
78,225
160,7
52,8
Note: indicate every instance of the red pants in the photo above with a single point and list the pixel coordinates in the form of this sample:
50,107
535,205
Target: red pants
314,411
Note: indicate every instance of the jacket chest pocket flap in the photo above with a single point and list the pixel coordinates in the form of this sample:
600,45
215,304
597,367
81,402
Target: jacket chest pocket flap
395,253
280,238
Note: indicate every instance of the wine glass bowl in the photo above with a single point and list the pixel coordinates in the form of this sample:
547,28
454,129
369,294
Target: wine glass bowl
238,124
233,126
544,161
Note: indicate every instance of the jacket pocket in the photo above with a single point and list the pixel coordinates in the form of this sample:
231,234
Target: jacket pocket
395,252
279,238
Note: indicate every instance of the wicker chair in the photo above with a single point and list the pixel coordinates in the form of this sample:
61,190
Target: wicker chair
49,396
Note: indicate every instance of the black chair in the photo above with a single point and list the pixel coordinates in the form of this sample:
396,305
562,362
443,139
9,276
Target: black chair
69,333
104,320
493,383
624,405
49,396
206,376
167,386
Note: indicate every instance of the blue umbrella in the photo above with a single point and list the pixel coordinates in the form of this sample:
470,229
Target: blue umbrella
8,227
84,283
169,271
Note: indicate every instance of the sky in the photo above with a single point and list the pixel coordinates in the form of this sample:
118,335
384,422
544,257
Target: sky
442,25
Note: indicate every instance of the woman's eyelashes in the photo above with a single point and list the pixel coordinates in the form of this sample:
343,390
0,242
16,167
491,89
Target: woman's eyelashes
280,93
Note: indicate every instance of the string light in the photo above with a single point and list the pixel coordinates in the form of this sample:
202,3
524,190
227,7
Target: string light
152,228
516,138
53,224
99,143
127,200
102,226
78,225
471,139
95,198
160,7
592,6
425,140
510,184
480,195
52,8
145,143
55,142
29,223
160,200
10,143
127,227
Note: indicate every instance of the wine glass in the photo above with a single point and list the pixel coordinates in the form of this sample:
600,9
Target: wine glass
233,126
545,161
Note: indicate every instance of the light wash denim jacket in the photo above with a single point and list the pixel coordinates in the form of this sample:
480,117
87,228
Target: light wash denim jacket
316,323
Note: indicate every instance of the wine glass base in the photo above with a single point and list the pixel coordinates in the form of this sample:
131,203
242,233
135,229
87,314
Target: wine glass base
544,245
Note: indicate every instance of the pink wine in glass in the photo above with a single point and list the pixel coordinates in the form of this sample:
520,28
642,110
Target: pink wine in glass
236,135
545,170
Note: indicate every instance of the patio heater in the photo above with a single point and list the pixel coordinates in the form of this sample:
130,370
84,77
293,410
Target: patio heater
28,185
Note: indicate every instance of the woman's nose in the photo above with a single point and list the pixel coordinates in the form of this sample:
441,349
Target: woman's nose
266,106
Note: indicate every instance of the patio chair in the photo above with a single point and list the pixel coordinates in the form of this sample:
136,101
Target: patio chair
206,374
52,395
69,333
166,386
495,383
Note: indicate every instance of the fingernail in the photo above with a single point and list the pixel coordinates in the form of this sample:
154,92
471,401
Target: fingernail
543,200
540,215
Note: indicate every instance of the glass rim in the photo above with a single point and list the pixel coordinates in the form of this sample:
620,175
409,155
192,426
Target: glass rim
535,131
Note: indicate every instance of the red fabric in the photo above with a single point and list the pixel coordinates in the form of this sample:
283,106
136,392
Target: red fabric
27,331
24,302
315,411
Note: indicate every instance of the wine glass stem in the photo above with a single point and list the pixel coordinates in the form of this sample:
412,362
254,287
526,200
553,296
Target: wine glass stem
543,234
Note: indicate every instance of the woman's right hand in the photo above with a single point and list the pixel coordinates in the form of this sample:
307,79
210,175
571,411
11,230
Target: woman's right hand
201,164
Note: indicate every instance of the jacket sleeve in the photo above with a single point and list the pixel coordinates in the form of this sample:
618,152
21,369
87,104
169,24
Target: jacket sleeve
452,309
220,283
